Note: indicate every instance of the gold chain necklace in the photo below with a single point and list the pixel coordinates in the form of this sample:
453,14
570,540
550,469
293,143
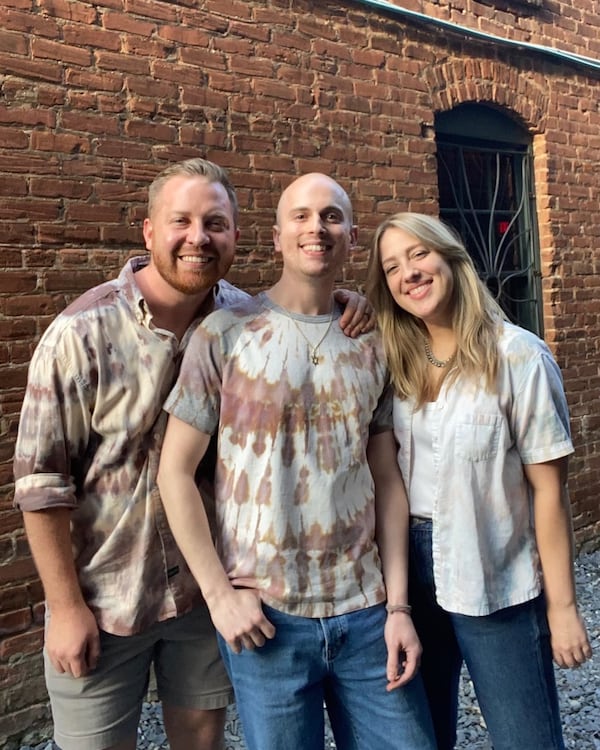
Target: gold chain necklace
432,359
314,349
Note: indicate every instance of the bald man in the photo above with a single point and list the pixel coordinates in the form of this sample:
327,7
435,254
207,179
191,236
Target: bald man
307,583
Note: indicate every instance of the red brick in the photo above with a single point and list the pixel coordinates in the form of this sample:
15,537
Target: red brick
230,8
64,143
22,644
13,42
16,571
123,63
90,123
144,130
15,622
91,36
31,69
157,11
128,23
99,81
28,23
96,99
187,37
50,187
27,117
65,53
204,58
59,281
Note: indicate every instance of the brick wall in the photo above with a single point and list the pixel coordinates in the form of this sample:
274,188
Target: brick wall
96,98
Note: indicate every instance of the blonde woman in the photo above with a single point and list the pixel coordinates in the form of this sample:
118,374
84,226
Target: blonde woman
482,426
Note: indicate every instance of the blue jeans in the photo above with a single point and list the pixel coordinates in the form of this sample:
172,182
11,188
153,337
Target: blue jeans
340,661
507,653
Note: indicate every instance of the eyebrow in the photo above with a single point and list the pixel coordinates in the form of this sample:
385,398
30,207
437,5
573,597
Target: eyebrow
337,209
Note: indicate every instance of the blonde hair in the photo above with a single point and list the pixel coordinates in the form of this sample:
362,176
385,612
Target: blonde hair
475,314
193,168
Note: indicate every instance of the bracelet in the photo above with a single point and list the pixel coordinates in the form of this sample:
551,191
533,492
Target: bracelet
404,608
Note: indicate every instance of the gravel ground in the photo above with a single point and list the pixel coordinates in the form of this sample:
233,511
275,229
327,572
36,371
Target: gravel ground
579,691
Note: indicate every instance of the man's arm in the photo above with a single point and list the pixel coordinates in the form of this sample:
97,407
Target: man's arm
236,613
358,315
55,418
391,530
72,640
554,538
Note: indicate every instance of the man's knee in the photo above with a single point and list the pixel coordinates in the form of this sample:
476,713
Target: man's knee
190,729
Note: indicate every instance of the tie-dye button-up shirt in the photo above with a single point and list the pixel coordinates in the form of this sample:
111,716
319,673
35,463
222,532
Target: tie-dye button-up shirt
484,551
89,438
294,493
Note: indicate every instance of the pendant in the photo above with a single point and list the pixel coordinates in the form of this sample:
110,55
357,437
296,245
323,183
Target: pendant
315,358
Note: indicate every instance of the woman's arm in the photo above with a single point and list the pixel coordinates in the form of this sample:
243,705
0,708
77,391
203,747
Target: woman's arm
391,533
554,537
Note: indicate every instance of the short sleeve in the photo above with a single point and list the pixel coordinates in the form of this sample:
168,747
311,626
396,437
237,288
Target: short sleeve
196,396
540,415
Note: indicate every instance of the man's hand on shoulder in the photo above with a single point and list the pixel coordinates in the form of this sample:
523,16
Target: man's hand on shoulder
358,316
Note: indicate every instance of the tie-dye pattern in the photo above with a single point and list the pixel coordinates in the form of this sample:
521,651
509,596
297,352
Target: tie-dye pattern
89,438
484,550
294,493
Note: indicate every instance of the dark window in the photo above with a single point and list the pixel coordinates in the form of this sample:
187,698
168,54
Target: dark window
486,192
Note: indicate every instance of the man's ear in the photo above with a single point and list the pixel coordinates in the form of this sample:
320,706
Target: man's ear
354,236
147,232
276,238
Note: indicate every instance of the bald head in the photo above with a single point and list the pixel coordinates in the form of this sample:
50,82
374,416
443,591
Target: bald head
300,190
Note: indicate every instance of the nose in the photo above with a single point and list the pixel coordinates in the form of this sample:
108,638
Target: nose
411,271
197,235
316,224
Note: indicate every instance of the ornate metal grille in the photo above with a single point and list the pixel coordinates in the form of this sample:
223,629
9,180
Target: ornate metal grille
486,193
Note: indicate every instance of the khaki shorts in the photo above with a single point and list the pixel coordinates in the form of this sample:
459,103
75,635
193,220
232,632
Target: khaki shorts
103,708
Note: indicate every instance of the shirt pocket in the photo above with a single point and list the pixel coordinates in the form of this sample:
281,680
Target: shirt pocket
477,437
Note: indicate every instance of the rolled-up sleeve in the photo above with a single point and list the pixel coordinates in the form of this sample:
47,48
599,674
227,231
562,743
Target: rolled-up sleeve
54,426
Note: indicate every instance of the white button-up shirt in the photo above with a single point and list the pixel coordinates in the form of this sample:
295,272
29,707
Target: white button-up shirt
484,550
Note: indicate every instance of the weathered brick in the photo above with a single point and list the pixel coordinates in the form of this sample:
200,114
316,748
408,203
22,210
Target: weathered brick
124,63
91,36
96,99
36,24
13,42
103,81
22,644
128,23
31,69
15,622
90,123
64,143
157,11
65,53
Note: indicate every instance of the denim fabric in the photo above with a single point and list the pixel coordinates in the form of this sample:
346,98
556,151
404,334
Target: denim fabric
507,653
280,688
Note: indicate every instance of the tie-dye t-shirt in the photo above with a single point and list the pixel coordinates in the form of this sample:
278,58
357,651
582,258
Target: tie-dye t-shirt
484,552
89,438
294,493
